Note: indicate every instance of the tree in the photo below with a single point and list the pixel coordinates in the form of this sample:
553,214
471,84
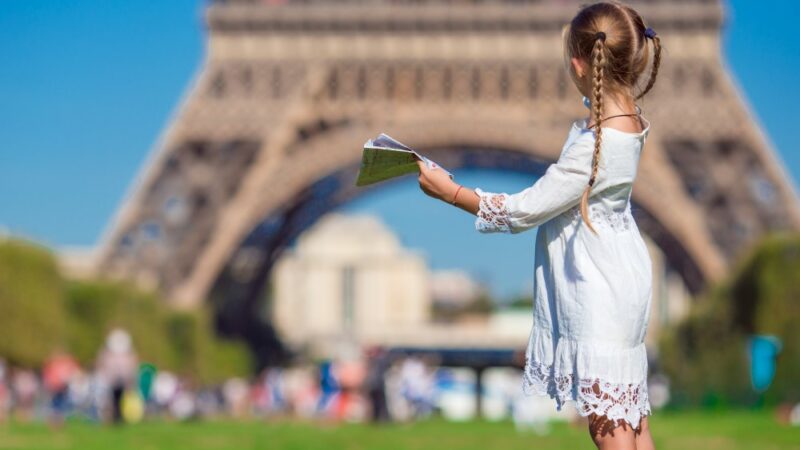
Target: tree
184,342
41,312
31,303
706,354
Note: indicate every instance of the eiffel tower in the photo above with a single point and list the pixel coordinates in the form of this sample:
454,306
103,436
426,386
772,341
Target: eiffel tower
269,137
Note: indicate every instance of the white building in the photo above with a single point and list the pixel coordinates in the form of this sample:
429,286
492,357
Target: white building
347,278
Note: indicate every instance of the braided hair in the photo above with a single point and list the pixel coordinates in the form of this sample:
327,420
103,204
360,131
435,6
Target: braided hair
612,38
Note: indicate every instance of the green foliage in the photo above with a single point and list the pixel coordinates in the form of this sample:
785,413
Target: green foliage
96,307
706,355
521,302
181,341
31,303
40,312
767,297
201,355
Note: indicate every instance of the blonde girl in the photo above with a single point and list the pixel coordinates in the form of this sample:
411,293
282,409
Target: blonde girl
592,271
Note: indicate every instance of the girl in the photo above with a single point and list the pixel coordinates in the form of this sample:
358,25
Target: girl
592,269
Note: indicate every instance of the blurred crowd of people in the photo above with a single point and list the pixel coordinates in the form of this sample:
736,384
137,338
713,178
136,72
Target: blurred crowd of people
373,385
63,387
370,385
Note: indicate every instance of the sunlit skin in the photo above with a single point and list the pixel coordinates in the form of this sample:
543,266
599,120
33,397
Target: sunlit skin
437,184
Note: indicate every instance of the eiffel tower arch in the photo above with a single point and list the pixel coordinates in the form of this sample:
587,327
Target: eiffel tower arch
269,136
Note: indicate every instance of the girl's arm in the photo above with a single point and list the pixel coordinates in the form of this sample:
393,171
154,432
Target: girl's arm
488,207
556,191
438,185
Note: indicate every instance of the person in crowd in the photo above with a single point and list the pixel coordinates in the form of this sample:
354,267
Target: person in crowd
57,373
25,387
118,365
375,383
5,392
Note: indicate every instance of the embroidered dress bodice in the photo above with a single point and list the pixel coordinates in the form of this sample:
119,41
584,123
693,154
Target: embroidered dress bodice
592,293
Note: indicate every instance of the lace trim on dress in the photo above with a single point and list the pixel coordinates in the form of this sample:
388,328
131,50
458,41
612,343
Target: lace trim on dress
628,402
613,220
492,214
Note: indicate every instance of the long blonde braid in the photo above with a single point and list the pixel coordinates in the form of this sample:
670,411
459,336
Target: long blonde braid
599,60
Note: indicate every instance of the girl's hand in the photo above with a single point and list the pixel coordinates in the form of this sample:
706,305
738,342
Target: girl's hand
436,183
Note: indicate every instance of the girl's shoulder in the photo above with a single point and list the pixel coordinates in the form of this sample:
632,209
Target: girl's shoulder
617,144
581,125
582,135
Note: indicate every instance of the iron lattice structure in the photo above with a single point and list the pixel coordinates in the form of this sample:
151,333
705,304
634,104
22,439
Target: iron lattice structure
269,136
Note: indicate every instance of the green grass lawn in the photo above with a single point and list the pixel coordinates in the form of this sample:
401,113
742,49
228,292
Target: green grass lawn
674,431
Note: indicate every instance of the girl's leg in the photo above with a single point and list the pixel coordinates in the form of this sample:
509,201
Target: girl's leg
643,439
607,435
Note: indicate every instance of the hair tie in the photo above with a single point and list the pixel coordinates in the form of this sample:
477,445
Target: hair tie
600,35
649,32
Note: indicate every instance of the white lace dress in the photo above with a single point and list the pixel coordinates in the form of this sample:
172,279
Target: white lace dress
592,293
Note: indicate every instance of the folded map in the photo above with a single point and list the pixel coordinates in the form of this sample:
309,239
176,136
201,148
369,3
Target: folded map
384,158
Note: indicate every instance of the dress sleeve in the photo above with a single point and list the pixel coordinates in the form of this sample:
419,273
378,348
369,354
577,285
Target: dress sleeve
559,189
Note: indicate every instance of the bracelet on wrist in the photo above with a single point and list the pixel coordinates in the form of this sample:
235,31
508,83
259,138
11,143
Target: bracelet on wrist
455,196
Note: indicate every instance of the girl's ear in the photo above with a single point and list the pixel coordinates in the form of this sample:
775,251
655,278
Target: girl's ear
579,67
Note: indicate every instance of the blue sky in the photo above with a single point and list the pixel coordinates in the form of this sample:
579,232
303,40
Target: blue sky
86,87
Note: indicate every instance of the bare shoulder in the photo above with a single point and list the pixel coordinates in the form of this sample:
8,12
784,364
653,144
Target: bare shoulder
627,124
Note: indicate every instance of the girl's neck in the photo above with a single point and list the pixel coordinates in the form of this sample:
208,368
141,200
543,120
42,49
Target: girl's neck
615,104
